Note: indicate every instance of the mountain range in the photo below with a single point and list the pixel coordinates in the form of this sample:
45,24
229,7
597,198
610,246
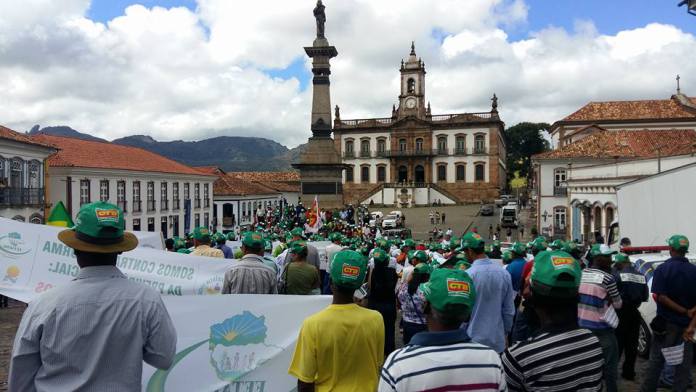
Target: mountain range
230,153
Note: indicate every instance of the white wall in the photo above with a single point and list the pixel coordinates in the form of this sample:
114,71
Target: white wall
58,192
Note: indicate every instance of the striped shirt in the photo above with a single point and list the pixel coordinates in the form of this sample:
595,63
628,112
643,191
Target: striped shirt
568,360
250,276
598,292
442,361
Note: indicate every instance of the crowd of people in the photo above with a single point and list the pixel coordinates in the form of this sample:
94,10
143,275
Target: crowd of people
538,316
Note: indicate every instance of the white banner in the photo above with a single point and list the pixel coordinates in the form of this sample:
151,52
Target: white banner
250,338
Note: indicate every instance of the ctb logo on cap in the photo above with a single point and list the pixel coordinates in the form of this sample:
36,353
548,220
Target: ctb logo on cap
458,287
562,262
107,215
350,271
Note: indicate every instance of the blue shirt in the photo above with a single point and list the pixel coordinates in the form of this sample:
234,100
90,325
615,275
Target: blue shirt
675,278
515,269
227,251
494,309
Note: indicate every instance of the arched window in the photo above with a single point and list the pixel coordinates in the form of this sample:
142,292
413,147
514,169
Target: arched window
349,148
349,174
460,144
597,219
365,148
34,174
381,145
36,219
480,172
402,144
442,172
411,86
461,172
559,218
442,144
364,174
403,174
381,174
16,170
419,144
480,144
419,173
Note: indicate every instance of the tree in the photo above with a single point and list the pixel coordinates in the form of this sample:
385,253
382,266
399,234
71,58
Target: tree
524,140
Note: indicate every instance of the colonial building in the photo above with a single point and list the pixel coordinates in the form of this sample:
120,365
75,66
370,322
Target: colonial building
238,195
415,157
677,112
576,184
22,171
155,193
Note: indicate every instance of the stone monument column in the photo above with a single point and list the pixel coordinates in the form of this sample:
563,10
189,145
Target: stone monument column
320,164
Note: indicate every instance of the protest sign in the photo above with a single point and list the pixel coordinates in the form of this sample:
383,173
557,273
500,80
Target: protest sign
250,338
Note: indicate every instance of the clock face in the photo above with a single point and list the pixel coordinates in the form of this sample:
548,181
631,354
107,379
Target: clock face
411,103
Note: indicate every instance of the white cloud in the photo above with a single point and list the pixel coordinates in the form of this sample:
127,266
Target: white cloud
176,73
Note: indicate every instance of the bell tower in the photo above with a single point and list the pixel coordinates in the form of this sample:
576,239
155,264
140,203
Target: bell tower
412,97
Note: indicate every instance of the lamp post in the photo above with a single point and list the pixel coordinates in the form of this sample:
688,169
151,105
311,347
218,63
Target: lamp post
690,6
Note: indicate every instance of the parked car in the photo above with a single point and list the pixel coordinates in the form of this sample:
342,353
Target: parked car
646,264
487,210
508,216
397,233
390,222
374,217
503,200
400,216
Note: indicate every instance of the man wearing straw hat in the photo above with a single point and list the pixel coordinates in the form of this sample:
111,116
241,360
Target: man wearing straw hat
95,332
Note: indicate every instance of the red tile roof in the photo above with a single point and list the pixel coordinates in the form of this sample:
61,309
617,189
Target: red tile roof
103,155
227,185
210,170
268,176
627,144
7,133
632,110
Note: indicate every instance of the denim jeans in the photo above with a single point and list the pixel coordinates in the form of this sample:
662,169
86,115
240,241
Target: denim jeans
672,337
610,350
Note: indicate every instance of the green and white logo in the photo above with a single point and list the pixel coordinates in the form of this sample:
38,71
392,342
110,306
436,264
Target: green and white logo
12,245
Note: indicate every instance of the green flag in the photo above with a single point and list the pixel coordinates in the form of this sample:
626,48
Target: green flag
60,217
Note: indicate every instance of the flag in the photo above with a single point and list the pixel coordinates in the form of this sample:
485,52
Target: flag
314,217
60,217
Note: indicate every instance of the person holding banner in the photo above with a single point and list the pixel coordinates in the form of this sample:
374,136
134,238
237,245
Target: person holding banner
95,332
342,346
250,275
201,242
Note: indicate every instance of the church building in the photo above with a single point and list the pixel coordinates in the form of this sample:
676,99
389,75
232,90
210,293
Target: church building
415,157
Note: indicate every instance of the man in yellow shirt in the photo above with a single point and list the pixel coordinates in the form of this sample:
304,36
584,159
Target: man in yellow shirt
201,241
340,348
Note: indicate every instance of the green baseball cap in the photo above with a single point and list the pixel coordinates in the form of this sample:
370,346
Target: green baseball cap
473,241
201,234
420,255
496,244
539,244
348,269
569,247
382,243
462,265
620,258
507,256
297,246
519,249
601,250
99,228
380,256
230,236
253,240
678,242
555,273
184,251
219,237
297,232
449,287
556,244
409,242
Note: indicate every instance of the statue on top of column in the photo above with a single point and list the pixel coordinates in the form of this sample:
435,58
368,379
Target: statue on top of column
321,18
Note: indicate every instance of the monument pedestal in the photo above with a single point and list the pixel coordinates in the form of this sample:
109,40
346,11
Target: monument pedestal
321,174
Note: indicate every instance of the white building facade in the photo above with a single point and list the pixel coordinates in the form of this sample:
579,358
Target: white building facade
22,177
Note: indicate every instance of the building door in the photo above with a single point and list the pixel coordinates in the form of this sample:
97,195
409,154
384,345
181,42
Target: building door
163,226
403,174
175,221
419,173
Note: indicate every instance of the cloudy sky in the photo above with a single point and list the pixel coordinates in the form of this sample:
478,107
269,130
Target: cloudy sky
185,69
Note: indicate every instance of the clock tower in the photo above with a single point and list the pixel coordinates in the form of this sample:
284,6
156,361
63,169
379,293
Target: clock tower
412,97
